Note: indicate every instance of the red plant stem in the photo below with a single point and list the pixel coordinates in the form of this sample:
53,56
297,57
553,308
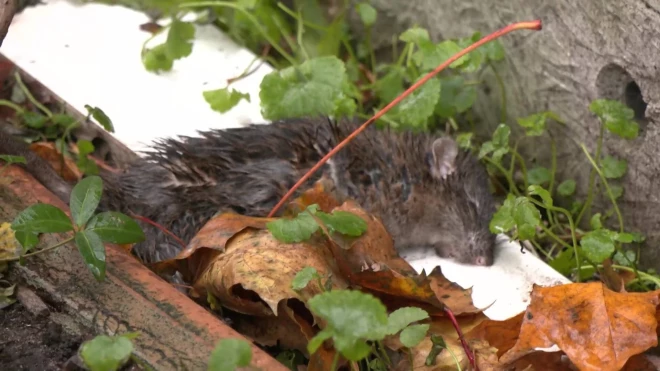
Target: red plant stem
531,25
165,230
466,348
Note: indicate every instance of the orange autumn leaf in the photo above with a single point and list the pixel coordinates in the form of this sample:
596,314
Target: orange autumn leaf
64,166
598,329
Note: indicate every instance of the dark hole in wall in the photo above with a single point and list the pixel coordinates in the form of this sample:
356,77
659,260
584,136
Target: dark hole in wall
615,83
633,98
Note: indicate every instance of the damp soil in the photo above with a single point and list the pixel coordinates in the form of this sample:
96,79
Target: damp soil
28,342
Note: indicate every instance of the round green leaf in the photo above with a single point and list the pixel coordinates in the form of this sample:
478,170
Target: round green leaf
105,353
538,175
595,221
33,119
502,220
101,118
115,227
402,317
352,349
415,109
344,222
222,100
613,168
527,217
42,218
230,354
318,339
567,187
597,245
156,59
303,277
367,13
541,192
413,335
92,250
85,198
297,229
179,39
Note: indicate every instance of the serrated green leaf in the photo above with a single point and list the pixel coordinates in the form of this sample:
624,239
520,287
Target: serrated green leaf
416,35
9,159
596,222
430,56
613,168
303,277
179,39
106,353
527,218
115,227
92,250
616,116
416,108
413,335
367,14
33,119
297,229
307,90
42,218
502,220
474,59
230,354
538,175
222,100
627,259
541,192
85,198
534,124
403,317
567,187
344,222
101,118
156,59
597,245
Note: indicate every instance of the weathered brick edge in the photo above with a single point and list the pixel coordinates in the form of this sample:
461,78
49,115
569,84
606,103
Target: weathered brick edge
176,333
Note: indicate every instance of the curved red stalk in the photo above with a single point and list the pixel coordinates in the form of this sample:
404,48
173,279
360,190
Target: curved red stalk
531,25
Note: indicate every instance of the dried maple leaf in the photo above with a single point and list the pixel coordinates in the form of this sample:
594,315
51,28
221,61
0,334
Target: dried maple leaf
598,329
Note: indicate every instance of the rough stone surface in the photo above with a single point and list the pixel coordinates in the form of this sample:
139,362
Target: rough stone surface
587,49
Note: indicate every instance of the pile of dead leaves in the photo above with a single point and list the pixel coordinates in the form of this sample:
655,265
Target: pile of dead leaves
237,261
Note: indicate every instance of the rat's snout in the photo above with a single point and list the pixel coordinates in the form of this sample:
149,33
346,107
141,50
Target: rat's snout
484,261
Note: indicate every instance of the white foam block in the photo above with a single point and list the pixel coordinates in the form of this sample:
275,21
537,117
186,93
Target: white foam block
90,54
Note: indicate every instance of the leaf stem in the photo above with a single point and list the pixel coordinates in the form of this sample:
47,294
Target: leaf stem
39,251
249,16
607,187
642,275
500,83
335,361
533,25
12,105
31,97
592,176
507,175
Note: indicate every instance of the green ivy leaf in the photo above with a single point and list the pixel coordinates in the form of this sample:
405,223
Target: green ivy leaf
156,59
42,218
85,198
343,222
567,187
538,175
106,353
307,90
179,39
527,218
92,250
415,35
613,168
416,108
367,14
502,220
402,317
9,159
303,277
100,117
297,229
595,222
115,227
534,124
616,116
222,100
33,119
413,335
352,317
230,354
597,245
541,192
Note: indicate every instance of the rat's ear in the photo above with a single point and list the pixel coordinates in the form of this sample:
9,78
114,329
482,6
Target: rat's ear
443,162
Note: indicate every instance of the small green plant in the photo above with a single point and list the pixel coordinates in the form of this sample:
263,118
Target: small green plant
530,212
108,353
56,127
310,220
90,230
230,354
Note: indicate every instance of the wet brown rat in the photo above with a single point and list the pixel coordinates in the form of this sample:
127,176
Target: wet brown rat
427,191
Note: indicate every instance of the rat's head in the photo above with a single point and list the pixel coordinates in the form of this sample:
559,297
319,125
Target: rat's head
452,211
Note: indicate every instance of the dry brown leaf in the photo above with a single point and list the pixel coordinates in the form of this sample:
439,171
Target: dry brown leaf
502,335
458,299
64,166
598,329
